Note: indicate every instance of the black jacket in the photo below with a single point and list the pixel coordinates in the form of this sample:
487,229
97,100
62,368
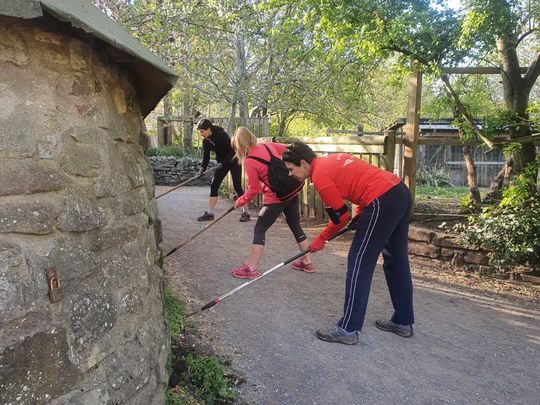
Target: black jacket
220,143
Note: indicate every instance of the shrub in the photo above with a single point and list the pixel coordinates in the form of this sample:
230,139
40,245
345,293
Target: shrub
435,177
511,231
207,374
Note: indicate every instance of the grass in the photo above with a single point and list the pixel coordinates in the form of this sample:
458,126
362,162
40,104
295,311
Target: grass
456,193
174,312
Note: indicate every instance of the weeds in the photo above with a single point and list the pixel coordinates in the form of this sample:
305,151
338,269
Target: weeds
189,372
174,312
208,375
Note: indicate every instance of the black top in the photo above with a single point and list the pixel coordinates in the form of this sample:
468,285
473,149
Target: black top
220,143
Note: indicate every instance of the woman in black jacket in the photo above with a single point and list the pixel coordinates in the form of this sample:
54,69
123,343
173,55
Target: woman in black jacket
218,141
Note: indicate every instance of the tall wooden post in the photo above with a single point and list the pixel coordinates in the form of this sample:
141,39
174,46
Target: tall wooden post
412,131
160,132
389,155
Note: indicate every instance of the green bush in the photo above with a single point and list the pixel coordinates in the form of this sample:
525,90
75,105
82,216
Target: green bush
207,374
511,231
435,177
165,151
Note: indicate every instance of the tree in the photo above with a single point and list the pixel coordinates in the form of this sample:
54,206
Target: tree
437,37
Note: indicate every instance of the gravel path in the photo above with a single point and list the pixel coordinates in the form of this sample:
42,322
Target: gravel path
468,348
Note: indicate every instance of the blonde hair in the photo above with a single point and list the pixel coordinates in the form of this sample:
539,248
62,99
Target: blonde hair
242,142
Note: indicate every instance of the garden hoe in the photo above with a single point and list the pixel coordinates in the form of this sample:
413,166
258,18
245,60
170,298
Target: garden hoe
201,231
190,180
228,294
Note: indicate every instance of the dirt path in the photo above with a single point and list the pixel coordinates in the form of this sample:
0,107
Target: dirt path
469,347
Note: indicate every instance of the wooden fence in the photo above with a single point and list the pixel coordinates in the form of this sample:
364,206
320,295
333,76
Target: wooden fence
378,150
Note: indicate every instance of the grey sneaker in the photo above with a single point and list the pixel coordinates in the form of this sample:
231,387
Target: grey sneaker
206,217
389,326
244,217
338,335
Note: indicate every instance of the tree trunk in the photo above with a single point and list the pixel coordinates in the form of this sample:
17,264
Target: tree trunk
495,189
187,127
516,96
232,118
282,125
242,83
167,127
474,193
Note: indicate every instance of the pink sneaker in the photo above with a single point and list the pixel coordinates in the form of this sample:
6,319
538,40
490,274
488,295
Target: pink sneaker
246,271
305,267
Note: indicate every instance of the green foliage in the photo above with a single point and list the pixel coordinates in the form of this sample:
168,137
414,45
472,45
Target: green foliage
524,186
511,231
435,177
467,204
207,374
165,151
174,312
178,396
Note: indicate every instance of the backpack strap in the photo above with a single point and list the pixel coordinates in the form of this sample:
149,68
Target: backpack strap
258,159
268,149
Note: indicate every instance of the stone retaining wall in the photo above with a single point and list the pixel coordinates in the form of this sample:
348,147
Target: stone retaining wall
171,171
447,247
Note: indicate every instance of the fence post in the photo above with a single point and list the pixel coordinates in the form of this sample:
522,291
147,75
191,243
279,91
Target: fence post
160,132
411,132
389,155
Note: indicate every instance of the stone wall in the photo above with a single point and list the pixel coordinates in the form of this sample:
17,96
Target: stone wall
76,195
170,171
447,247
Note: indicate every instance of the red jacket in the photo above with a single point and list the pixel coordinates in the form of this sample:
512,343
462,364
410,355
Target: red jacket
257,174
340,176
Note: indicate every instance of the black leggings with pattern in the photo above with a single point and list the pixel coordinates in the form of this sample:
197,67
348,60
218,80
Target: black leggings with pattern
268,216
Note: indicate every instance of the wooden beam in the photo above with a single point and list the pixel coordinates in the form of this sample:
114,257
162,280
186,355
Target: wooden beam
412,127
477,70
335,140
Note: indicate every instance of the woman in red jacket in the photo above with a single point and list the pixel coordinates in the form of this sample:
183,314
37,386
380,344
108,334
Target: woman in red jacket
246,147
382,225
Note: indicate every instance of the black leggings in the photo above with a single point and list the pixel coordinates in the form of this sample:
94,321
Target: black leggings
219,175
268,216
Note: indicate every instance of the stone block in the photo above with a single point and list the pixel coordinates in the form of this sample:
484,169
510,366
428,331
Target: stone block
447,253
13,47
93,313
17,138
132,202
30,176
78,56
18,292
79,214
27,217
80,160
476,257
420,234
445,240
47,37
109,238
37,369
424,249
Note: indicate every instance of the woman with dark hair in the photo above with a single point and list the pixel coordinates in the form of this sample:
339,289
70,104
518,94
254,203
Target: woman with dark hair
217,140
383,204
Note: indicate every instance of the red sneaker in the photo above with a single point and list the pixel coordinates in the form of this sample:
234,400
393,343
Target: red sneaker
305,267
246,271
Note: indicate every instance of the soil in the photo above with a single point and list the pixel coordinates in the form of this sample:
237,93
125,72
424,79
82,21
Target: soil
476,340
